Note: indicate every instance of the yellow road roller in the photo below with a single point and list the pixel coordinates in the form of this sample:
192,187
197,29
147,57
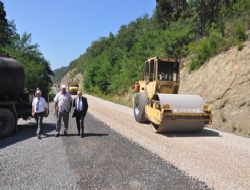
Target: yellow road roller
73,87
157,100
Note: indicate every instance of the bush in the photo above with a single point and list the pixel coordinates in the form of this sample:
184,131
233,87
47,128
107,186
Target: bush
206,48
240,34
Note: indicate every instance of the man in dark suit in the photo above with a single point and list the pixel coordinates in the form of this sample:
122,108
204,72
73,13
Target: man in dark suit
80,105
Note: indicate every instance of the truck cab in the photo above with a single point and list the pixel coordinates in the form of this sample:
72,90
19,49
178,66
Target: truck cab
15,103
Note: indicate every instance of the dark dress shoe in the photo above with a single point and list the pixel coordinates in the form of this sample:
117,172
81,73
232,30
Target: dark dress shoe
57,135
82,135
65,133
39,136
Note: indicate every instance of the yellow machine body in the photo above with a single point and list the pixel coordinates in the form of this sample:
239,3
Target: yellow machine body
157,99
73,87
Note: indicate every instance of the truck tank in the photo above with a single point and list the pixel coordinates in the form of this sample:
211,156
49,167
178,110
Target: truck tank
12,79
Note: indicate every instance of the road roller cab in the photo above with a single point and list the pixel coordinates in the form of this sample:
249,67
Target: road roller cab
160,76
157,99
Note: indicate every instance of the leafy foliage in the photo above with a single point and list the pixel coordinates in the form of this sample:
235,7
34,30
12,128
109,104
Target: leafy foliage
112,64
5,29
36,67
240,33
205,48
178,28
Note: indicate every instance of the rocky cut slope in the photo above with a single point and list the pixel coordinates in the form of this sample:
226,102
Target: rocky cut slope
72,75
224,81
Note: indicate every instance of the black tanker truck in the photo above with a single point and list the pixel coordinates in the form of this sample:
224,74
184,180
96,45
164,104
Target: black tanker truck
15,103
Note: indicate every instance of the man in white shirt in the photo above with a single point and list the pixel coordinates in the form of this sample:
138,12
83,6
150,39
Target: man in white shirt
63,103
39,108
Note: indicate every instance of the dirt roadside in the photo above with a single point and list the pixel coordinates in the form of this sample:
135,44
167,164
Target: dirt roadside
219,159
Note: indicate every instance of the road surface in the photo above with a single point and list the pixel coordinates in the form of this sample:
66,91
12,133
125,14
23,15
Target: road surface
221,160
118,153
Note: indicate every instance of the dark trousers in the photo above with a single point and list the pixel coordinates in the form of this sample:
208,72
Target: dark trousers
39,122
80,124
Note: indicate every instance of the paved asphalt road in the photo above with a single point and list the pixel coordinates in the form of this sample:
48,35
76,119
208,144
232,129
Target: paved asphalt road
102,160
106,160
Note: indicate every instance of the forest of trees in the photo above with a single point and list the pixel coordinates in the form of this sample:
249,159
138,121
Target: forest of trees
197,29
178,28
37,69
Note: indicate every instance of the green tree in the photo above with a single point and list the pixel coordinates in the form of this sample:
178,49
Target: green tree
5,31
177,28
169,10
36,67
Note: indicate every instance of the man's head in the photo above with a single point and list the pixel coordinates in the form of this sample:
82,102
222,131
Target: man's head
63,88
38,93
79,93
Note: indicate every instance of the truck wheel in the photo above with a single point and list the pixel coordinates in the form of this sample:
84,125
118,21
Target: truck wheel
7,123
140,102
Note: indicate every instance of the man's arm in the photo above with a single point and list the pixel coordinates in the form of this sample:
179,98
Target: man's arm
68,95
33,108
85,106
56,109
33,111
56,106
45,107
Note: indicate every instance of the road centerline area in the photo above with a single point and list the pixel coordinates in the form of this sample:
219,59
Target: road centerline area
106,160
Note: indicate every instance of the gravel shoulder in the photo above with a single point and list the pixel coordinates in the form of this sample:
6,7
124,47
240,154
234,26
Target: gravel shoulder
219,159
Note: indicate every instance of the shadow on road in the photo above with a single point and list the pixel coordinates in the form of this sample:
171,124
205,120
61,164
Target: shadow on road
95,134
26,131
202,133
88,135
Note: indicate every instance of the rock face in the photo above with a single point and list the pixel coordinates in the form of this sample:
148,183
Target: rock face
72,75
224,82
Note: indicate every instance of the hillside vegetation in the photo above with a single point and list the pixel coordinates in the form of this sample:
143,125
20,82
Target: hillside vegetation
36,67
178,28
58,74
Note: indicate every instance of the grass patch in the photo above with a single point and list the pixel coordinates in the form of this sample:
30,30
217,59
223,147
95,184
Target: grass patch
119,100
